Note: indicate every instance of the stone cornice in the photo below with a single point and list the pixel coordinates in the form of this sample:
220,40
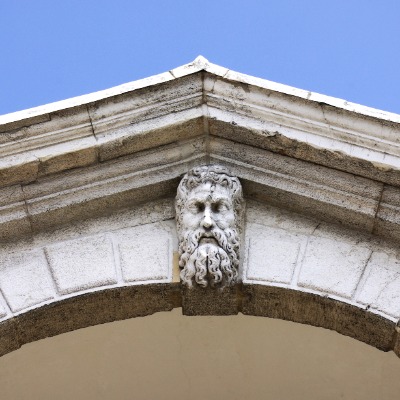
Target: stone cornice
83,157
104,125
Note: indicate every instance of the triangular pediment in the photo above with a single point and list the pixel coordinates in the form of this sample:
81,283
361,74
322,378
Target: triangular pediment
87,215
304,151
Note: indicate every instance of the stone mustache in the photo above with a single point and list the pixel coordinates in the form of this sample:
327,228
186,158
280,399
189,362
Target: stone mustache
209,206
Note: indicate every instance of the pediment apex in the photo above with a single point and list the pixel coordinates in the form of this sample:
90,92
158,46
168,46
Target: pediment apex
200,63
305,151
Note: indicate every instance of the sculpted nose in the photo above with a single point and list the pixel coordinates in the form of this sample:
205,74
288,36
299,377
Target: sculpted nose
207,222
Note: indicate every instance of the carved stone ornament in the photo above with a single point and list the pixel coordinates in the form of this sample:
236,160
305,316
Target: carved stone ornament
209,206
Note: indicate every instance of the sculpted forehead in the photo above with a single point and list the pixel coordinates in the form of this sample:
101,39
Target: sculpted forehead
203,192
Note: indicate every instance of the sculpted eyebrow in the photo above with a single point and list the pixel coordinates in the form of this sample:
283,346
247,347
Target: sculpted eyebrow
195,200
222,200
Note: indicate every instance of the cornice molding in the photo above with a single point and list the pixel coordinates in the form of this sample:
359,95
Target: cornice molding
82,157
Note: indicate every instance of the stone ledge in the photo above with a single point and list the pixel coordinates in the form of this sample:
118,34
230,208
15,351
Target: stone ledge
199,98
317,191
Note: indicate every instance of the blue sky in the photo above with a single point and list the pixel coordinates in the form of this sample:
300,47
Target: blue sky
52,50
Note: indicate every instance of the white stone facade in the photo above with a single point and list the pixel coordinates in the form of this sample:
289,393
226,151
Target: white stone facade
87,217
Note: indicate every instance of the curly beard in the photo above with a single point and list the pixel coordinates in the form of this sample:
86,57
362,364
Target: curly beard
215,261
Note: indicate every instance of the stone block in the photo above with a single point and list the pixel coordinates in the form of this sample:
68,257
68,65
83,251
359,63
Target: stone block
272,254
90,201
25,279
13,216
381,289
151,134
67,156
388,215
145,253
116,112
333,267
209,301
267,215
82,263
49,145
18,169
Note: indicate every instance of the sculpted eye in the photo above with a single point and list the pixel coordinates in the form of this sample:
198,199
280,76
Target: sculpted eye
219,207
215,207
200,207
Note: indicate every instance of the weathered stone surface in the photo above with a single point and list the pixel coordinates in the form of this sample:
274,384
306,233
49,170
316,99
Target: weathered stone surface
13,216
262,135
57,200
48,213
312,309
145,253
79,155
150,134
82,263
12,128
18,169
388,216
143,104
92,168
96,308
62,140
303,187
328,123
333,267
396,348
9,340
25,279
272,254
381,289
208,301
267,215
146,118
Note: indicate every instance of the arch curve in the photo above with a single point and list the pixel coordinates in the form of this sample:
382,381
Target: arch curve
87,226
126,265
115,304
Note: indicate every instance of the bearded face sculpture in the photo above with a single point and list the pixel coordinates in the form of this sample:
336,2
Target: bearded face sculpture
208,212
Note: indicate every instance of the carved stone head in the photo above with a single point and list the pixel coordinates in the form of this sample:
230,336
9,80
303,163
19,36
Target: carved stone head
208,214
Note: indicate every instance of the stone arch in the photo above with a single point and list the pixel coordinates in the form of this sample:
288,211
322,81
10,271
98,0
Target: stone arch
47,288
111,305
87,226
